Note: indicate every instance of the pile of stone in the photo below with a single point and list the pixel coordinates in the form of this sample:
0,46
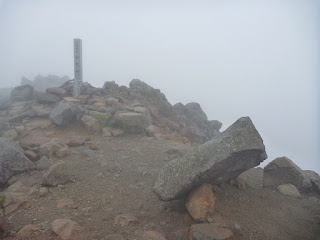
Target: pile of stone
137,109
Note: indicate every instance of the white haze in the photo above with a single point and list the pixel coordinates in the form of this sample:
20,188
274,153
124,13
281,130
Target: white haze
236,58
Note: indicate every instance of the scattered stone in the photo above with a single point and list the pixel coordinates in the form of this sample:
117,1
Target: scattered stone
46,98
57,174
27,232
125,219
12,160
22,93
200,202
19,187
91,124
237,149
92,146
43,164
40,111
31,155
62,114
13,200
67,229
76,141
209,231
283,171
153,235
53,148
253,178
289,190
43,192
314,178
106,132
117,132
131,121
65,203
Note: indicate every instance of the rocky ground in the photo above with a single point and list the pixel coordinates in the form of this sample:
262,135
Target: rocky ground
98,167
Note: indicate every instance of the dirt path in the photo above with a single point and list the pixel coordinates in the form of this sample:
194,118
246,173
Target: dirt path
118,178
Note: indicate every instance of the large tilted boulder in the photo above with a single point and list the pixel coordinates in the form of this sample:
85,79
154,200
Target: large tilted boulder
133,122
283,171
237,149
12,160
62,114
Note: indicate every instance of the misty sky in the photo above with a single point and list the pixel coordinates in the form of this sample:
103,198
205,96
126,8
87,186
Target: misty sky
236,58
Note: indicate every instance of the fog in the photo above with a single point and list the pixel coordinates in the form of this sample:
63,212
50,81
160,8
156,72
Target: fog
235,58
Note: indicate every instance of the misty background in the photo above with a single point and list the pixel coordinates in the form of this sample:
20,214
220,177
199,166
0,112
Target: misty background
236,58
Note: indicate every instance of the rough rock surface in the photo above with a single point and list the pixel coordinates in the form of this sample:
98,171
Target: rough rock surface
208,231
57,174
67,229
237,149
283,171
253,178
200,202
46,98
12,160
62,114
314,178
27,232
133,122
91,124
289,190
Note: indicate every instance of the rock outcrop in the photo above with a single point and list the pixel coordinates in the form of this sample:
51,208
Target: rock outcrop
237,149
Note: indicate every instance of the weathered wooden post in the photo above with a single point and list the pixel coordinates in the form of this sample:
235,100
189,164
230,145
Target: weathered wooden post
77,44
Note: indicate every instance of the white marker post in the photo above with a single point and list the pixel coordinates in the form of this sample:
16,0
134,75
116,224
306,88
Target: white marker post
77,43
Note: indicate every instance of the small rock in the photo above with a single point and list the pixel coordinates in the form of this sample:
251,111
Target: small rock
92,146
76,141
106,132
27,231
253,178
31,155
43,192
65,203
117,132
44,163
200,202
289,190
153,235
67,229
91,124
62,114
209,231
125,219
57,174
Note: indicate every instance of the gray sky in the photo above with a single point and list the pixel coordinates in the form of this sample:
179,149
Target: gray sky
236,58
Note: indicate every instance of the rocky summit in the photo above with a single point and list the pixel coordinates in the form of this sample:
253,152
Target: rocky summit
123,163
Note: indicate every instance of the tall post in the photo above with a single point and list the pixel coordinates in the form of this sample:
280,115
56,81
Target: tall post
77,44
